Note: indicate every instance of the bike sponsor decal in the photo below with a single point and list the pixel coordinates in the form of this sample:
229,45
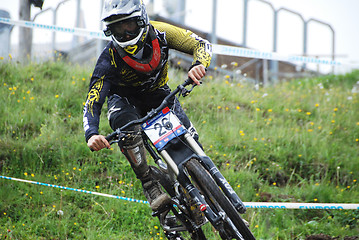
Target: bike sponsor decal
214,170
226,184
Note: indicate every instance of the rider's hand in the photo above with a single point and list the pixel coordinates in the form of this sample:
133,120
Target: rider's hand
98,142
197,73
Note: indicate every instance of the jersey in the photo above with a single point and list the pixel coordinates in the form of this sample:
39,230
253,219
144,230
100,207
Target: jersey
114,75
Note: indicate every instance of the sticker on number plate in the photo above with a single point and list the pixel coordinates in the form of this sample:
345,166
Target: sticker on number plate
163,128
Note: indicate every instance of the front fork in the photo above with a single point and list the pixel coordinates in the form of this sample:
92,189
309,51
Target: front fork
185,182
182,178
217,175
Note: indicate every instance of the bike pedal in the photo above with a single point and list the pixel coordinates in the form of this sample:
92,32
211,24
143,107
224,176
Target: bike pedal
198,216
201,221
171,221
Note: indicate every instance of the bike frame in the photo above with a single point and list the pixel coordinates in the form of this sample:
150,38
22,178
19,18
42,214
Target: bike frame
176,154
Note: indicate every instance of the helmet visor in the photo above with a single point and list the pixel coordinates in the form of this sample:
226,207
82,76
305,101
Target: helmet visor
125,30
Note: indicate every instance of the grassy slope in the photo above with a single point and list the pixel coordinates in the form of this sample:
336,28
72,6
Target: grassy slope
296,141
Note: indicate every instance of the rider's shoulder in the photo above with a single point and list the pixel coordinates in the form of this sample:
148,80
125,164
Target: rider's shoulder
160,24
163,26
108,56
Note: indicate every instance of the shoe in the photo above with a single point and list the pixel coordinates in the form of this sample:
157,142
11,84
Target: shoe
155,195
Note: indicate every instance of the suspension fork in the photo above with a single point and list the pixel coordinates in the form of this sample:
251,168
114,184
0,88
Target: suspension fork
186,183
194,193
217,175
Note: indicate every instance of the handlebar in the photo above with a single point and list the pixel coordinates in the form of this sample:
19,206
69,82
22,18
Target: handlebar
118,133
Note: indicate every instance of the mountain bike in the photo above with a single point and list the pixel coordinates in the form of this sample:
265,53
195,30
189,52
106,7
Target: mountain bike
199,193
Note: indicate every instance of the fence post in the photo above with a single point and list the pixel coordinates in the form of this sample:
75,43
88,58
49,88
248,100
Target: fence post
333,35
214,30
5,31
245,22
25,34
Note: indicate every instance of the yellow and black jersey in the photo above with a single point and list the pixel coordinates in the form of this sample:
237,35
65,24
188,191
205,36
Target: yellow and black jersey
187,42
117,72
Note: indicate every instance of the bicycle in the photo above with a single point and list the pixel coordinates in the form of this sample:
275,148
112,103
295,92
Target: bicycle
199,192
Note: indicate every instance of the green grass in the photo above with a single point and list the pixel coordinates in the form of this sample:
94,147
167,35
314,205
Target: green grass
297,141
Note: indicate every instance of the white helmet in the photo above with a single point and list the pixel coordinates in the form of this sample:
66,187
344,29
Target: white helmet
127,22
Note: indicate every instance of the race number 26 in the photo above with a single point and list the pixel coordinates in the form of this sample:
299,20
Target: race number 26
163,127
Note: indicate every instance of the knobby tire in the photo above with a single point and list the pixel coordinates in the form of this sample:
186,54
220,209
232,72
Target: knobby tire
207,183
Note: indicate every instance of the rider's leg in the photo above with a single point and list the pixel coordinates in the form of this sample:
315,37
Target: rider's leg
121,112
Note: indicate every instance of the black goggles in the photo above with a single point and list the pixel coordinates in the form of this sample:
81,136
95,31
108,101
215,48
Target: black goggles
125,30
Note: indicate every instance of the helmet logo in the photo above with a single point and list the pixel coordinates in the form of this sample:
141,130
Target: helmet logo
131,49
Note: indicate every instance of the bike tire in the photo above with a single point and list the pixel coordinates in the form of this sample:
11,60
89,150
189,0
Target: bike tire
208,184
195,233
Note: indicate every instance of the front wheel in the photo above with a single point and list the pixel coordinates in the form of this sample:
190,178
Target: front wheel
176,221
216,198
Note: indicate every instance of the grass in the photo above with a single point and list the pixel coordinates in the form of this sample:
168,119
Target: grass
297,141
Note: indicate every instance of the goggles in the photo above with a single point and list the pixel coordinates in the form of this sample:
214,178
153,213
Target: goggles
125,30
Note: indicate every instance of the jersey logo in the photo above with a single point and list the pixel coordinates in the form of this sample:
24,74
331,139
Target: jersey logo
113,62
94,94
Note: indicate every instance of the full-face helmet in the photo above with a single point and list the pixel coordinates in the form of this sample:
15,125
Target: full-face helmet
127,23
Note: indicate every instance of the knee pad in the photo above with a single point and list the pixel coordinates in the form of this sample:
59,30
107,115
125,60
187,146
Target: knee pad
136,156
120,111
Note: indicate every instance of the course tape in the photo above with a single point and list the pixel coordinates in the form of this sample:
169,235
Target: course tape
268,205
250,53
217,49
276,205
74,189
74,31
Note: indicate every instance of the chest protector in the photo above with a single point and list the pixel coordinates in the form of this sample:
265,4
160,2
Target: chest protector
149,64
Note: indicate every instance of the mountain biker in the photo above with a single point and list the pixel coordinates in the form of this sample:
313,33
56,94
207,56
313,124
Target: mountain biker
132,72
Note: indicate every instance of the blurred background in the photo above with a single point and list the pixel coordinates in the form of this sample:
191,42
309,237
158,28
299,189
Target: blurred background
319,29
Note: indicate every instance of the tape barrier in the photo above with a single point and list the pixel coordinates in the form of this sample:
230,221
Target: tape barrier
250,53
74,31
276,205
267,205
74,189
217,49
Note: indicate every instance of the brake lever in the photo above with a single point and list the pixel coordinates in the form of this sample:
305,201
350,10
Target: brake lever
117,135
114,141
185,92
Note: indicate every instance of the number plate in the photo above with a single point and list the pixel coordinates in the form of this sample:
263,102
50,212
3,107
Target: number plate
163,128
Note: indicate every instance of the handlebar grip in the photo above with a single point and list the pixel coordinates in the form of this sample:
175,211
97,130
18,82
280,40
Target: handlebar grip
188,82
111,136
